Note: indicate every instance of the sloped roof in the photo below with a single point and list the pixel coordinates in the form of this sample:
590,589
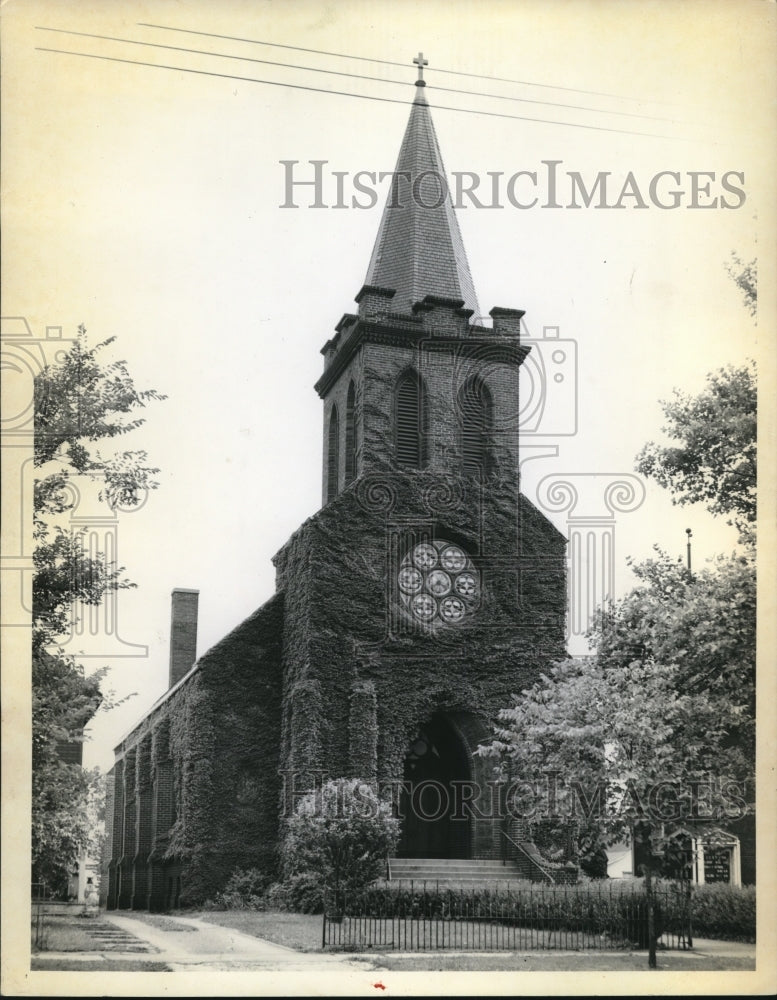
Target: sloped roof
419,250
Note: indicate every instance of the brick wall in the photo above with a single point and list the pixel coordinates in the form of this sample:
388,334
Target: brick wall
437,343
183,633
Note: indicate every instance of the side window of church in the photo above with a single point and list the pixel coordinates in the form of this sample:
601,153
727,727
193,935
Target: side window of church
411,421
350,435
333,459
475,420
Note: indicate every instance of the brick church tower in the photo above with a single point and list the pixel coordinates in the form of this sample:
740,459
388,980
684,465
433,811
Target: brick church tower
424,593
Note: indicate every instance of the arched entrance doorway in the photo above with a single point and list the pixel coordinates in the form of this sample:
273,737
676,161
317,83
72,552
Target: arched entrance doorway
436,761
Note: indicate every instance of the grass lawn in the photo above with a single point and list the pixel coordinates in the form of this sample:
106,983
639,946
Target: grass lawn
591,961
301,931
40,963
161,921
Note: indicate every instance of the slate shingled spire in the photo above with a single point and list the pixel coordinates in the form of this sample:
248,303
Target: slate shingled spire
419,250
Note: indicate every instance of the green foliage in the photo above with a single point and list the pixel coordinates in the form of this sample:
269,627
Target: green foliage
745,276
63,701
704,625
363,729
302,892
60,823
245,890
724,911
63,794
78,401
216,740
341,833
616,747
668,702
81,400
615,909
64,572
714,461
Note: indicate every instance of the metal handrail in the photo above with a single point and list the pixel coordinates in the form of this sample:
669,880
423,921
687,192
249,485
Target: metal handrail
533,860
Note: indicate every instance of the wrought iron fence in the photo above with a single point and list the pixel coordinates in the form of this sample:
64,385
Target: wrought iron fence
427,916
39,894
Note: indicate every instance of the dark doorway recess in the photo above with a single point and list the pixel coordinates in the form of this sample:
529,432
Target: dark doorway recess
436,761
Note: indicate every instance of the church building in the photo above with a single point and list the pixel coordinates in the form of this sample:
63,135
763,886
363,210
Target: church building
424,593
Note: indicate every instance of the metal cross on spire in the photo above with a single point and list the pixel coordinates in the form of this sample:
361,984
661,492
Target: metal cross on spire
420,63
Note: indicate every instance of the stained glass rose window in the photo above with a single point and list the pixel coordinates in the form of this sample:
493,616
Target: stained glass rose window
438,583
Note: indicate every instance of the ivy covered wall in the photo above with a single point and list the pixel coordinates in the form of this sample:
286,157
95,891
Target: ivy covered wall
331,676
212,753
359,682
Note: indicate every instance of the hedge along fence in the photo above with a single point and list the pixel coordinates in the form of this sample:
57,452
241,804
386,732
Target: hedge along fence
427,916
724,911
717,911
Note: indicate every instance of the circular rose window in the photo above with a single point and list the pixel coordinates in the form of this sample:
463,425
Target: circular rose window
438,583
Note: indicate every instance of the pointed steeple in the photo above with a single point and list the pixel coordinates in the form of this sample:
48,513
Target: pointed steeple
419,250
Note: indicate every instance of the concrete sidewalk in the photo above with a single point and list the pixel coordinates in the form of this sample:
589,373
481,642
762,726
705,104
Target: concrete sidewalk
199,943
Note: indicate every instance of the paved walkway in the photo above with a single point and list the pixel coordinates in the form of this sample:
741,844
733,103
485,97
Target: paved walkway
224,949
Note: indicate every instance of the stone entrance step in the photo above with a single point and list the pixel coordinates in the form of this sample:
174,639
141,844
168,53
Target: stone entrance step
452,870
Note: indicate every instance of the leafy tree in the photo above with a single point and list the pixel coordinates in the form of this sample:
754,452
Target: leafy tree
615,748
714,461
341,833
704,625
63,701
745,276
79,401
667,704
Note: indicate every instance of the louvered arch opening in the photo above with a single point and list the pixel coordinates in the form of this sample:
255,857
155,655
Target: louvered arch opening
410,421
475,421
333,456
350,435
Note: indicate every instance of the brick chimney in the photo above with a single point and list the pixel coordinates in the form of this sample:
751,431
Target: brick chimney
183,633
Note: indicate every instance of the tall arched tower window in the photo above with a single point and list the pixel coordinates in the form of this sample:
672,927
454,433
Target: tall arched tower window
475,421
333,456
410,416
350,435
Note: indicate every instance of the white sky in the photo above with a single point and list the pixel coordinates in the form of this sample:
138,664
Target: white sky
145,204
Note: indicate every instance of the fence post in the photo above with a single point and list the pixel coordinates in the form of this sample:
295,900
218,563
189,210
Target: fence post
323,926
650,920
689,898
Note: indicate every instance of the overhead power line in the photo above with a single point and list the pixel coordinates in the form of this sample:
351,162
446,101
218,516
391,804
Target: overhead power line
383,62
355,76
345,93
